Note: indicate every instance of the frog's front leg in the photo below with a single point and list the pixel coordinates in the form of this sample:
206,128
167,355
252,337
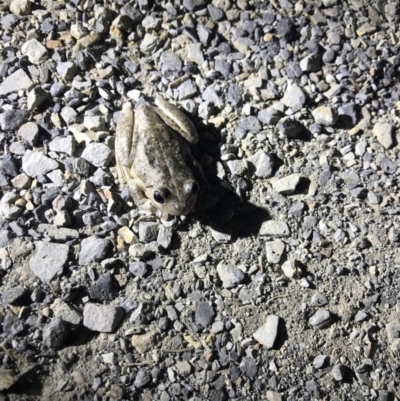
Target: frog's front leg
125,142
139,197
177,120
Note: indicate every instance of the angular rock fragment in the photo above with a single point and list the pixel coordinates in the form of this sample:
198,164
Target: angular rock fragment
102,318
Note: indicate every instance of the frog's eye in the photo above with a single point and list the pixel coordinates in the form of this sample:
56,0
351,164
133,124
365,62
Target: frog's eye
195,188
159,197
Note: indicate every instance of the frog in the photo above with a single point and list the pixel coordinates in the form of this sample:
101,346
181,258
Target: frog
154,159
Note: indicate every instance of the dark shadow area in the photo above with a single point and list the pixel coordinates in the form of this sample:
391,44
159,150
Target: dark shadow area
282,335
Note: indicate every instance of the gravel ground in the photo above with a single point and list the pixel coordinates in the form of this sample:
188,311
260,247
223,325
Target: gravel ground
283,284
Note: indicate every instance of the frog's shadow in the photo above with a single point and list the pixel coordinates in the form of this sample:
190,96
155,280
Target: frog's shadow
218,205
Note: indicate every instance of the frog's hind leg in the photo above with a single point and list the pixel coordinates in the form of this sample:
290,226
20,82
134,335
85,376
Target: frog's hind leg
177,120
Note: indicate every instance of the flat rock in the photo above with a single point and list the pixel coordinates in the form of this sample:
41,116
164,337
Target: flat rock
144,342
36,163
275,250
93,249
58,233
287,185
66,312
263,164
12,294
12,119
49,260
55,333
384,134
6,379
230,276
10,212
36,97
275,228
325,116
35,51
20,7
268,332
102,318
294,97
98,154
18,80
320,319
204,314
63,144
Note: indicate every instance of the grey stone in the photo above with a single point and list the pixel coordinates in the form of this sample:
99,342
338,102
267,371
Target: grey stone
275,250
384,134
230,276
251,124
149,43
55,333
348,114
66,312
216,14
57,233
3,180
263,164
339,372
11,120
170,62
268,332
318,299
273,396
12,294
311,63
18,80
69,115
5,238
63,144
294,97
187,90
98,154
320,319
164,237
102,318
287,185
95,123
319,361
221,234
325,116
57,89
35,51
49,260
290,127
7,166
248,367
204,314
67,70
223,66
138,269
142,378
393,331
243,44
36,97
361,316
274,228
194,53
10,212
93,249
374,198
36,163
148,231
20,7
270,116
29,132
103,289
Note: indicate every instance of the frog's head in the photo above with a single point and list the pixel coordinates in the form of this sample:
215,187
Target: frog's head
177,202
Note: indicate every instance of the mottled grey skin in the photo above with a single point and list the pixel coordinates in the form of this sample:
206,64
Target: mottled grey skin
154,159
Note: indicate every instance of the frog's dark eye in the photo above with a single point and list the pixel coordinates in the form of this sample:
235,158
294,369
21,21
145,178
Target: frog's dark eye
159,197
195,188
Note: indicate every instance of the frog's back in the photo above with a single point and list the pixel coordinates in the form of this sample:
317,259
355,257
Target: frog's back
161,154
